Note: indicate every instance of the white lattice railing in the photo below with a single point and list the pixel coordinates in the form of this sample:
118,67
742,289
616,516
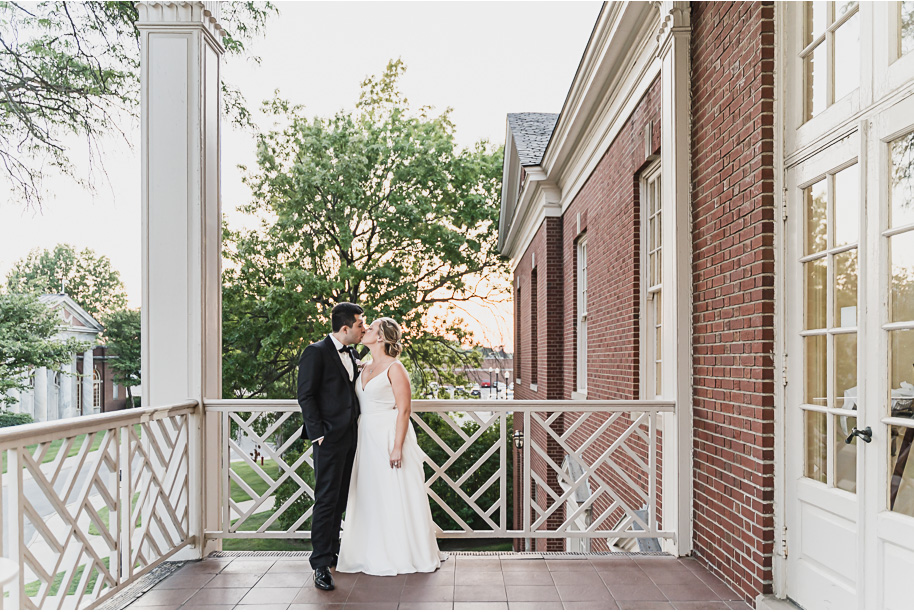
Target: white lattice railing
590,469
92,503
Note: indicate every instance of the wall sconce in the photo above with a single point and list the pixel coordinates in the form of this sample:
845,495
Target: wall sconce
518,438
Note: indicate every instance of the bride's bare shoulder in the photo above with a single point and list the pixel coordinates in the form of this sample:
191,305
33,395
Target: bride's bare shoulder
397,370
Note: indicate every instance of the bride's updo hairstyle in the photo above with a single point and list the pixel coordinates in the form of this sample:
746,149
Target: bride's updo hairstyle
389,333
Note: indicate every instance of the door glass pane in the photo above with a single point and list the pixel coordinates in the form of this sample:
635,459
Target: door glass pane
816,20
901,291
901,195
846,289
901,370
815,70
847,57
815,202
901,470
816,453
847,211
845,371
845,454
816,373
906,22
815,294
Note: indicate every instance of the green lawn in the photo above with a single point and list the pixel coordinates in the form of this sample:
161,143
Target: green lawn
252,478
32,588
254,523
105,513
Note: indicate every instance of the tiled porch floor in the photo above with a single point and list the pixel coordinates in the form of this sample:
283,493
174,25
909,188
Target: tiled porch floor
464,582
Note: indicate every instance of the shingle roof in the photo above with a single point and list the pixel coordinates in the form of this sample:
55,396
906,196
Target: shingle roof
531,132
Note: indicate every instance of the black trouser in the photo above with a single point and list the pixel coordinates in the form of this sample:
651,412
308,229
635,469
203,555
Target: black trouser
332,471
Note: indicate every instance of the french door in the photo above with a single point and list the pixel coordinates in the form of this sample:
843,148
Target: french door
849,340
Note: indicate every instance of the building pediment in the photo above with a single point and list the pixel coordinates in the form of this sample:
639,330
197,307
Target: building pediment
73,317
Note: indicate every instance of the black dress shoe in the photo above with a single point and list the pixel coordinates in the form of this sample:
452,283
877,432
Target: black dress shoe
323,579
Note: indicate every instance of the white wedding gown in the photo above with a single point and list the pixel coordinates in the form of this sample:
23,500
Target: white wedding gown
388,528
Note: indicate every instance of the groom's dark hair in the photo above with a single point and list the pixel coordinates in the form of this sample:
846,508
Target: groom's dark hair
343,315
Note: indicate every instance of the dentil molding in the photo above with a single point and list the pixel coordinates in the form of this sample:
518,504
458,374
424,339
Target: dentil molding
168,13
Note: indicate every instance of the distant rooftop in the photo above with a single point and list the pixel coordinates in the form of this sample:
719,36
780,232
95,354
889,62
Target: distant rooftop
531,132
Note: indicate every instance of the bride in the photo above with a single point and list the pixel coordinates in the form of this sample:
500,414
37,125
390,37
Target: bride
388,528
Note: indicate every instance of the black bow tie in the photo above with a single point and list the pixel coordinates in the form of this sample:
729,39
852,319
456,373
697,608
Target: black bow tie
346,349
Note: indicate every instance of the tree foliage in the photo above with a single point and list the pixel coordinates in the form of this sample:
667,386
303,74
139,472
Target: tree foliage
376,206
73,68
27,329
122,337
86,277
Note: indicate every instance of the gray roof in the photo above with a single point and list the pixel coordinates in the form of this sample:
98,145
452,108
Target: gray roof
531,132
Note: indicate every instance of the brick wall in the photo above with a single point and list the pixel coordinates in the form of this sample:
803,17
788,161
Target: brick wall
733,284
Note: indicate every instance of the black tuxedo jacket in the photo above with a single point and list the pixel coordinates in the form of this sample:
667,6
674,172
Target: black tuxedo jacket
327,397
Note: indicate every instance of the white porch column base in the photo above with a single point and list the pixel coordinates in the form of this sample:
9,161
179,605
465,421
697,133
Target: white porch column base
675,152
88,394
182,233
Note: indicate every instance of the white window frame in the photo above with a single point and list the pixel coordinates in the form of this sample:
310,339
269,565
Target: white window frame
97,388
581,314
651,288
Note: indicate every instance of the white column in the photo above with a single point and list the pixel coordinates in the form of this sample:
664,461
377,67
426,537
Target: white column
86,382
675,152
40,395
66,401
181,229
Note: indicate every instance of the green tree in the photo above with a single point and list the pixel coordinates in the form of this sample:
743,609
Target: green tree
27,329
377,206
86,277
122,337
73,68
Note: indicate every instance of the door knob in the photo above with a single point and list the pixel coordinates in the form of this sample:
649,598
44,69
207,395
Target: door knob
864,434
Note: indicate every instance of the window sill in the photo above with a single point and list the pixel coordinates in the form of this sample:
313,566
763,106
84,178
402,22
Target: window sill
533,388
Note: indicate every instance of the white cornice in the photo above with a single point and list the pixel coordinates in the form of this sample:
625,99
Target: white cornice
171,14
615,72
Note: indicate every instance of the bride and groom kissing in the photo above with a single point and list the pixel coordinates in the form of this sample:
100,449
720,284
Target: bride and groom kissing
367,461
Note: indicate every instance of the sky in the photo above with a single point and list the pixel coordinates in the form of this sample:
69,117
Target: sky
482,59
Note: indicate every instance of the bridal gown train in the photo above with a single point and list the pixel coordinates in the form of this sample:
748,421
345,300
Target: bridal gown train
388,528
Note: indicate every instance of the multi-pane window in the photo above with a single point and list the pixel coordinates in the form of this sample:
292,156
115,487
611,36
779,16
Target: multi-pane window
831,53
831,278
96,389
900,325
519,333
534,328
582,315
905,27
653,281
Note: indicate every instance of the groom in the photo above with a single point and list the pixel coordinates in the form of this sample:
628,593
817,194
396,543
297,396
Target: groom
326,394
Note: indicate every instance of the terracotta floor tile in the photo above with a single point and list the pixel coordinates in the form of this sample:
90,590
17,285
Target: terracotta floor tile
232,581
135,606
189,580
639,591
427,593
644,605
535,605
528,578
483,578
545,592
624,576
290,566
248,567
266,595
697,591
426,605
389,605
272,606
738,605
524,565
478,565
480,605
209,566
323,606
722,591
312,595
590,605
583,592
610,563
480,593
678,575
165,597
568,565
365,580
217,597
376,592
208,607
700,605
431,579
297,580
577,577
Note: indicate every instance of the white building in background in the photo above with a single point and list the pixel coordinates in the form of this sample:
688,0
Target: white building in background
58,395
